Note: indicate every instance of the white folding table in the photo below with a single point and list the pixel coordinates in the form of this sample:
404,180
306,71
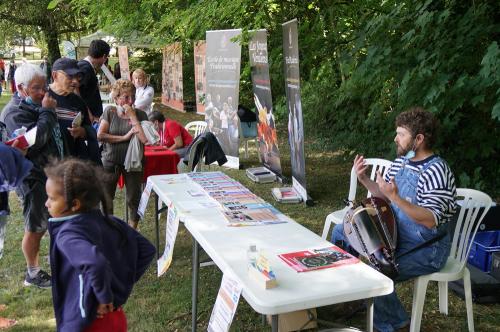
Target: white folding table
227,247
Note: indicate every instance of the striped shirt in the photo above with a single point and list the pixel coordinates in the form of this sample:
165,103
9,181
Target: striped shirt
436,189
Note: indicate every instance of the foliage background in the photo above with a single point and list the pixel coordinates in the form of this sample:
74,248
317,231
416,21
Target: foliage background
362,63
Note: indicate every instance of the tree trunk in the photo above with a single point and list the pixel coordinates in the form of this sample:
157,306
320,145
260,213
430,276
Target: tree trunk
52,43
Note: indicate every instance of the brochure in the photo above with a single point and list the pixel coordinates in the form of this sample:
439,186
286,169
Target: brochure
25,140
314,259
261,175
286,195
252,217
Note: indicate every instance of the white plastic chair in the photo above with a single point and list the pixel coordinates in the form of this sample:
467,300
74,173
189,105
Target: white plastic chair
196,127
467,224
336,217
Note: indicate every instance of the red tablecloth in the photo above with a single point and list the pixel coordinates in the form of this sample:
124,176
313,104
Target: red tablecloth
158,160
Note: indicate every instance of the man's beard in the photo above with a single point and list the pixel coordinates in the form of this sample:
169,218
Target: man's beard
401,151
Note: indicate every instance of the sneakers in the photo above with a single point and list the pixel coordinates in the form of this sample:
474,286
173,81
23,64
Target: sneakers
41,280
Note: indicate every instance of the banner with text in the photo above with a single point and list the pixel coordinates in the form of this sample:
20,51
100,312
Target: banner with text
268,139
200,48
292,88
123,60
172,88
223,60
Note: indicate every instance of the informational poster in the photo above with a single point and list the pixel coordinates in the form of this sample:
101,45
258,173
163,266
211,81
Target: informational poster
223,60
200,49
69,49
143,203
172,88
268,139
123,59
225,304
295,124
172,227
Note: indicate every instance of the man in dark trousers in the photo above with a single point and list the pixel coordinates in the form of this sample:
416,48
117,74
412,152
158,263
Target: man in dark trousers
89,86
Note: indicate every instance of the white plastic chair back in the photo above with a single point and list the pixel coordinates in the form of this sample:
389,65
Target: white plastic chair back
468,221
196,127
336,217
192,153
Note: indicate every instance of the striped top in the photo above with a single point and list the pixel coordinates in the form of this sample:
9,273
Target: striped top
436,189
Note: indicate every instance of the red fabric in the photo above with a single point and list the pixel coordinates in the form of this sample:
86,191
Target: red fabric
115,321
158,160
172,129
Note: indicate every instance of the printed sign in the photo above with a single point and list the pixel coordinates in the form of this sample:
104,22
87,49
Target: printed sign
223,58
200,49
172,88
292,88
123,59
225,304
172,227
268,139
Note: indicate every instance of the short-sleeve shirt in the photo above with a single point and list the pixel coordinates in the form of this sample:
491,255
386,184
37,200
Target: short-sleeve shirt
436,188
114,153
172,130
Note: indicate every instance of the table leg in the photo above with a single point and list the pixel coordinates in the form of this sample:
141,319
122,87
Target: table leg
274,324
194,291
369,315
126,207
157,225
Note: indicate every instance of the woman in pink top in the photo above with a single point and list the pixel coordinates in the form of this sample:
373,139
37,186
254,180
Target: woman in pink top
173,135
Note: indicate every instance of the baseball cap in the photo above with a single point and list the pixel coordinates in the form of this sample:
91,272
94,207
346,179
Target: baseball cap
67,65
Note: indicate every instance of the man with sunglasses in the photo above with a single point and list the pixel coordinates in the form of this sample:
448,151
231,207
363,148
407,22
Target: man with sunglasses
89,86
80,138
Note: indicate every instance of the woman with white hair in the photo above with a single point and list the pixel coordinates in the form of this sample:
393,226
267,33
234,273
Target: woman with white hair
30,107
144,92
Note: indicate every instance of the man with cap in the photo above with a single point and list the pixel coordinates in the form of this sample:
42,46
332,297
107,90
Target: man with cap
80,138
89,87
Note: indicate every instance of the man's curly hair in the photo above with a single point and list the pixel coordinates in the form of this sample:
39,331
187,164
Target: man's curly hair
419,121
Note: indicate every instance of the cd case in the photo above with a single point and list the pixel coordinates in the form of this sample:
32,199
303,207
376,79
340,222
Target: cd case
286,195
260,175
315,259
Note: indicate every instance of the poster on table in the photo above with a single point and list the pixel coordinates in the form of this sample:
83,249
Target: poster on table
292,88
223,60
172,226
123,60
259,64
200,48
225,304
172,88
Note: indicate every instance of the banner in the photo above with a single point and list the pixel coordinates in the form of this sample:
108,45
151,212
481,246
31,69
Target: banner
223,60
268,139
172,89
123,59
200,48
292,88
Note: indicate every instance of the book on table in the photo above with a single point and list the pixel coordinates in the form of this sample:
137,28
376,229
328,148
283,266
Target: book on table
286,195
315,259
260,175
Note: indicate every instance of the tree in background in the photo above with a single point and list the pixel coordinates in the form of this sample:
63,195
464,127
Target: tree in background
50,23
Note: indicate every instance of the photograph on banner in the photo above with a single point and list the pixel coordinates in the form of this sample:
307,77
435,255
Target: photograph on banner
123,60
292,88
223,58
200,48
268,139
172,86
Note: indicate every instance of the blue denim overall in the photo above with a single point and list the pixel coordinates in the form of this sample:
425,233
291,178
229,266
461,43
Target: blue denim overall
389,313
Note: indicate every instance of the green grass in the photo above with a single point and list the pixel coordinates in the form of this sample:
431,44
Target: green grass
163,304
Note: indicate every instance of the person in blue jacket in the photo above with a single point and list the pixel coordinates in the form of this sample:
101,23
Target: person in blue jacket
95,258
